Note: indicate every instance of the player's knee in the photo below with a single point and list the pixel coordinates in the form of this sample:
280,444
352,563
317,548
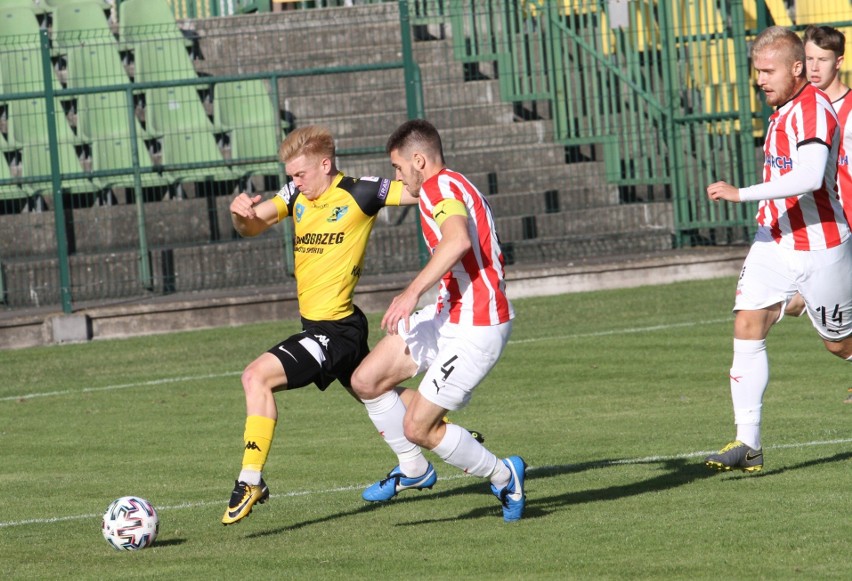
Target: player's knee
416,433
362,386
842,349
253,381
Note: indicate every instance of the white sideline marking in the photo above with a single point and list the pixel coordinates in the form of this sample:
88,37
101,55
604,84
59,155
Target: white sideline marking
626,461
232,373
625,331
120,386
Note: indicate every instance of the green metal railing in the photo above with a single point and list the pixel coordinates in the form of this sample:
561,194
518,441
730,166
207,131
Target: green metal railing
664,87
645,106
52,95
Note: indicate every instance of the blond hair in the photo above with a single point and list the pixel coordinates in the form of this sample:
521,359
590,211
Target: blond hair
786,42
312,140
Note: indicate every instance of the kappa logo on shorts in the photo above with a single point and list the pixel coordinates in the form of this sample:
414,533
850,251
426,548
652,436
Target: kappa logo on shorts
322,340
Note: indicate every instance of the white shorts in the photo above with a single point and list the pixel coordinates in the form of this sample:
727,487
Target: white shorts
772,275
456,358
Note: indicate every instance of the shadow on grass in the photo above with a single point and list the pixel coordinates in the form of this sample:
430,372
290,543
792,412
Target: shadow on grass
678,472
675,472
169,542
364,508
840,457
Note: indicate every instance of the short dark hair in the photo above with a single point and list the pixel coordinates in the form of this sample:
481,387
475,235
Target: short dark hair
417,132
827,38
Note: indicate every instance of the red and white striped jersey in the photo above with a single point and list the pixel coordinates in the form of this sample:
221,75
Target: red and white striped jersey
811,221
843,106
474,290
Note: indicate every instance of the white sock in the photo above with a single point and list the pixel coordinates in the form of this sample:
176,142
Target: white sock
749,378
249,477
458,448
387,413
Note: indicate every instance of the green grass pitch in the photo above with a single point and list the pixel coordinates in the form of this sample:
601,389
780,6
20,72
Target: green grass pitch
612,397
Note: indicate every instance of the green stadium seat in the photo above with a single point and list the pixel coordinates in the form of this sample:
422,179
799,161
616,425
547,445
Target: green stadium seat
116,154
27,124
246,111
194,147
19,28
76,23
35,163
162,60
146,20
99,114
94,65
169,109
53,5
187,135
38,9
12,196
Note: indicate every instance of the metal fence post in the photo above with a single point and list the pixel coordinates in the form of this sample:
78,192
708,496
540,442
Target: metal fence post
413,94
56,181
680,194
145,274
287,226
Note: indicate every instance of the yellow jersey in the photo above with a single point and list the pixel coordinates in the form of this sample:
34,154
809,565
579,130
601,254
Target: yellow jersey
330,242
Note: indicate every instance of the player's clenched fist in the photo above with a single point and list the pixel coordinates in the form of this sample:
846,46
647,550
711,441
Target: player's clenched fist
243,205
723,191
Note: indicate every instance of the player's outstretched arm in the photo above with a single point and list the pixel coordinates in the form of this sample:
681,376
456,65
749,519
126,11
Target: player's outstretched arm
250,216
454,244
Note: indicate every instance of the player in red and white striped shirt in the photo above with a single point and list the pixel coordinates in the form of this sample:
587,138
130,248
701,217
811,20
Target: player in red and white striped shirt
454,342
824,50
803,243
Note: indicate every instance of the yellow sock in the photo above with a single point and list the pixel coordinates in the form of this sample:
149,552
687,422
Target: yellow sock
258,439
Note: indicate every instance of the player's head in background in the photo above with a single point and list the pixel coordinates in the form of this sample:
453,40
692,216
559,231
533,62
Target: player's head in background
824,48
416,153
308,154
778,57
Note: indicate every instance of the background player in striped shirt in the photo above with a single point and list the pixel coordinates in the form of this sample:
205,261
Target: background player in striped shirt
802,242
454,342
824,50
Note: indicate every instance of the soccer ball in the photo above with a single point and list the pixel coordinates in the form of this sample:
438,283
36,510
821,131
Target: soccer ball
130,523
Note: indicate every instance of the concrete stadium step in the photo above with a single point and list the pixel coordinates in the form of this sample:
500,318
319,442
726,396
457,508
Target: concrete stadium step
562,250
577,184
454,139
306,39
96,276
390,85
115,228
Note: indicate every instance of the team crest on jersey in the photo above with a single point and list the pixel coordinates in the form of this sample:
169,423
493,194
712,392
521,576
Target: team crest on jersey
300,210
337,213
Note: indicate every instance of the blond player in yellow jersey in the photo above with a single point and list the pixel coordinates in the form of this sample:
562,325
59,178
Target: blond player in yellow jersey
333,216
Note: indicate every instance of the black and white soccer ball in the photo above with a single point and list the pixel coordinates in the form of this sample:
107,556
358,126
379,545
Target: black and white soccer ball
130,523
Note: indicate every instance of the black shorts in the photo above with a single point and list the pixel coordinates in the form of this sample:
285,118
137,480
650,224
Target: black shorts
343,343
